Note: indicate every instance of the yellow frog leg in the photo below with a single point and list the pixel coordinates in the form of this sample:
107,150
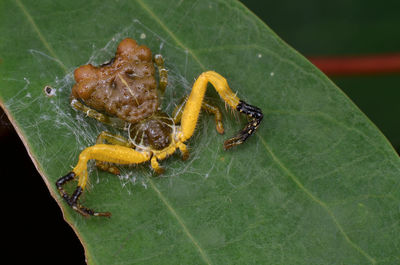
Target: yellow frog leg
206,106
103,152
109,138
193,105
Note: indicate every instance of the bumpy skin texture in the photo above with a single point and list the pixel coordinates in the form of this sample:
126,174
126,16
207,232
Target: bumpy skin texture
126,88
154,133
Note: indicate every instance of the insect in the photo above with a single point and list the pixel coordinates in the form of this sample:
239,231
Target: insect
123,93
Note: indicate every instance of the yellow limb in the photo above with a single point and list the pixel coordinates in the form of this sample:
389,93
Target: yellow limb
156,166
109,138
217,115
182,147
193,105
107,153
206,106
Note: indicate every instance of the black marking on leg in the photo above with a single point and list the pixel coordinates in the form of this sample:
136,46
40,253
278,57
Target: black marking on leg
73,200
75,196
250,110
61,181
256,116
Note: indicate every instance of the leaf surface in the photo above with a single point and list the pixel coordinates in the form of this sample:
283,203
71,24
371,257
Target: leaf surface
317,184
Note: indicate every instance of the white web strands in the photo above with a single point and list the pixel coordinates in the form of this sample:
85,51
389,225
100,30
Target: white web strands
79,131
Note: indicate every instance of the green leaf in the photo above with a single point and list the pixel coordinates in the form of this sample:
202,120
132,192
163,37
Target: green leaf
318,184
345,28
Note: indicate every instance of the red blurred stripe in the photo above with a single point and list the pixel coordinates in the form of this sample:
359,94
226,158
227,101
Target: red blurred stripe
358,65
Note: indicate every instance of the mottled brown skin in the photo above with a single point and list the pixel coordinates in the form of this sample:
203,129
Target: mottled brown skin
154,132
125,88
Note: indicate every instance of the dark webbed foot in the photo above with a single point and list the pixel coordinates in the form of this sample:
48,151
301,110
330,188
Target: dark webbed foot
73,200
255,115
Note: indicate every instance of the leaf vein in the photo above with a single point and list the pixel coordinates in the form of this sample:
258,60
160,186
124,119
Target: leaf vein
180,221
316,200
169,32
40,35
160,195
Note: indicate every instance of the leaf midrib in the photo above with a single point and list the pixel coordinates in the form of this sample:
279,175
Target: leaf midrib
323,205
180,221
40,35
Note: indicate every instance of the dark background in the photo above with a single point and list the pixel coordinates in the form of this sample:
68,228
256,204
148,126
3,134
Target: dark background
313,27
342,27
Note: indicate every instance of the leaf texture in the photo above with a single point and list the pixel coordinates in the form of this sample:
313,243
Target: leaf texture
317,184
